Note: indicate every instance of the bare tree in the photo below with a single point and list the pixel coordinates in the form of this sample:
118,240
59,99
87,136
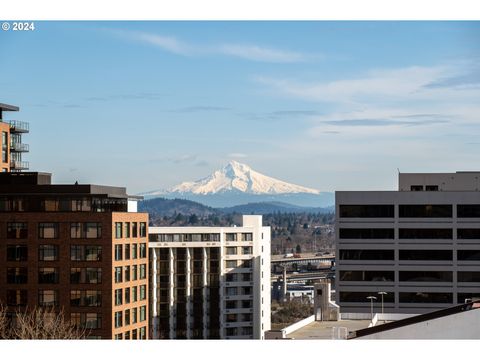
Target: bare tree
38,324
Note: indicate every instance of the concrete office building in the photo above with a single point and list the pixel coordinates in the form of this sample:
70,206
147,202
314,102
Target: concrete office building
210,282
419,245
77,248
12,147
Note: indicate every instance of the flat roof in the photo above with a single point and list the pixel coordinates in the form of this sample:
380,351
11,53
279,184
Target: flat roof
7,107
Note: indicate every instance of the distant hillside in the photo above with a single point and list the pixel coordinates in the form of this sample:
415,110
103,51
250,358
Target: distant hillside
169,207
263,208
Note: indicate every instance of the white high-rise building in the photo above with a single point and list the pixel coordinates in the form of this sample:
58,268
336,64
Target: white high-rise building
417,248
210,282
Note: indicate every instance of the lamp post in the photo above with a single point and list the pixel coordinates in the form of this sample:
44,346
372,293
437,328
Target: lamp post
382,293
371,298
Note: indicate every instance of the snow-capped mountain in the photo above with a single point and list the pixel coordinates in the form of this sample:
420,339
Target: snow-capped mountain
237,183
241,177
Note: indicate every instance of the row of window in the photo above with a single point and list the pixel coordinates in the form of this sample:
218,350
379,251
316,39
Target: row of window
132,294
244,250
236,304
408,211
229,318
232,264
122,274
64,204
132,251
407,297
213,237
405,233
140,334
129,316
412,276
409,255
130,229
86,320
242,331
51,275
241,290
51,230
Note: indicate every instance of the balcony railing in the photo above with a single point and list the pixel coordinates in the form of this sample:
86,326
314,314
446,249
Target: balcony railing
19,147
17,126
19,165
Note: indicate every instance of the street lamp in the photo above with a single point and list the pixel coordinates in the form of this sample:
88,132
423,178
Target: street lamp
382,293
371,298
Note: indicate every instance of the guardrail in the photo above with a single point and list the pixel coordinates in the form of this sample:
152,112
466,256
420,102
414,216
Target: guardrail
19,126
19,165
19,147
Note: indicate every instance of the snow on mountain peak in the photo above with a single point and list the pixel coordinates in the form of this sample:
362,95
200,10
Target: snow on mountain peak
236,176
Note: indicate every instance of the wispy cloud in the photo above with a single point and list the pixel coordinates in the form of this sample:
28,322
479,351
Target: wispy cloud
202,108
386,122
264,54
132,96
252,52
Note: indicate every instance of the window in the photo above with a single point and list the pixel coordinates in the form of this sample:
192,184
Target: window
143,229
89,230
134,315
231,331
118,230
17,297
118,319
143,292
230,291
86,298
231,304
231,318
230,237
247,277
468,255
93,253
468,211
48,252
430,276
127,320
231,264
143,332
247,290
367,211
231,250
118,297
86,320
424,297
17,230
134,293
425,211
416,188
357,254
361,296
118,252
134,272
126,270
127,295
426,255
76,230
48,230
134,229
143,271
468,233
118,336
367,275
425,233
247,304
17,275
127,230
468,276
230,277
431,187
143,251
48,276
247,263
48,298
143,313
17,252
118,274
134,251
247,250
366,233
85,275
127,252
247,236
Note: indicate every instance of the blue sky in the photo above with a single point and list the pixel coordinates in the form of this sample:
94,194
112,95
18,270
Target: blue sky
329,105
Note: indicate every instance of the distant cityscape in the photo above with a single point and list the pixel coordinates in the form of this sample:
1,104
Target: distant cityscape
84,261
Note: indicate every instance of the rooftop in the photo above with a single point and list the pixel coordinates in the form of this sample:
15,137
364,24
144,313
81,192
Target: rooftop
7,107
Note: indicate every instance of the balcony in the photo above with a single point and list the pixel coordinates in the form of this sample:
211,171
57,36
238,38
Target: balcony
19,147
19,165
19,126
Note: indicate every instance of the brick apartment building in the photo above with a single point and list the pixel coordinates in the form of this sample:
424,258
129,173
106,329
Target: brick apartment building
80,248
